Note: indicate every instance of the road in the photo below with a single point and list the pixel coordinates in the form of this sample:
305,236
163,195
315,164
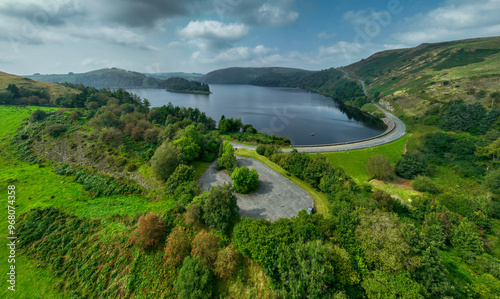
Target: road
396,130
277,196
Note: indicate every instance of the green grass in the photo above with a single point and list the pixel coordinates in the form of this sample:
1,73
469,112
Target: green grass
318,197
199,168
40,187
354,162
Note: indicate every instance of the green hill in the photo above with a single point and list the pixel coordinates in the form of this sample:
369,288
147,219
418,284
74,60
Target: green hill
29,86
110,78
415,80
239,75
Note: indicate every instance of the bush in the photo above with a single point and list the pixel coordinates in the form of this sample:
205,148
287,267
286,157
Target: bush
384,199
261,149
425,184
205,247
165,160
228,159
227,262
151,230
410,165
245,180
177,246
131,167
380,168
194,280
55,130
37,115
193,215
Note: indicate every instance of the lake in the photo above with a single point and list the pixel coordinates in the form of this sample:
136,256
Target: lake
287,112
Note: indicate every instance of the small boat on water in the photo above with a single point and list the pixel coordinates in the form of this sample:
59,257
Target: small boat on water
312,134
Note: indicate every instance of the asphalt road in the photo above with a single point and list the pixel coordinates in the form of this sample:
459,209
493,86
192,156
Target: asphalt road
277,196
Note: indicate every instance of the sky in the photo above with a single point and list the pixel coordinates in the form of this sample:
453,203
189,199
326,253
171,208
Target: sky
151,36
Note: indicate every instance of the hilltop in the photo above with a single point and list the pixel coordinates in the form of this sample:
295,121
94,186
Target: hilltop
114,78
50,91
416,80
239,75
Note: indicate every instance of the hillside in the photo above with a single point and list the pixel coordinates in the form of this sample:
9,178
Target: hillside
108,78
50,90
176,84
415,80
187,76
239,75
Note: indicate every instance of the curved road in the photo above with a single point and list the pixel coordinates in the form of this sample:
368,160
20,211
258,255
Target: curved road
396,130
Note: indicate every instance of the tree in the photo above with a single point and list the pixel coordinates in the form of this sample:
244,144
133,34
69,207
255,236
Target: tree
205,247
227,262
181,175
150,231
383,242
177,246
193,215
190,141
245,180
165,160
410,165
492,181
228,159
194,280
465,236
221,207
318,166
380,168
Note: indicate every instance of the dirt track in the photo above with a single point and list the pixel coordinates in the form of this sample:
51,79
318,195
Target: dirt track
277,196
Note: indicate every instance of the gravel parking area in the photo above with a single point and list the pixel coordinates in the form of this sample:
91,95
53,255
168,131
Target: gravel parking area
277,196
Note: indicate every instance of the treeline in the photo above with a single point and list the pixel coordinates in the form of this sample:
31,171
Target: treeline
14,95
328,82
177,84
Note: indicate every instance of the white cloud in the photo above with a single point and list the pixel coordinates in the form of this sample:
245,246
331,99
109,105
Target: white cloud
326,35
268,14
238,54
453,20
342,49
214,30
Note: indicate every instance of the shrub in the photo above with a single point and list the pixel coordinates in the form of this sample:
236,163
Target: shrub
245,180
131,167
424,184
38,115
151,230
194,280
227,160
380,168
205,247
261,149
465,236
410,165
227,262
55,130
74,116
165,160
384,199
177,246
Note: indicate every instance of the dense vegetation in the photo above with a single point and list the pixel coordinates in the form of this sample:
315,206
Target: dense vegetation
185,86
114,78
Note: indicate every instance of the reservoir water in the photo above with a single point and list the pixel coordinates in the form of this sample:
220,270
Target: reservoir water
305,118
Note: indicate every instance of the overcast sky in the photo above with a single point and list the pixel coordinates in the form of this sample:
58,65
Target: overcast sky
61,36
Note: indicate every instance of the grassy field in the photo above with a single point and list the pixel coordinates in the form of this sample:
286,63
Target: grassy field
318,197
354,162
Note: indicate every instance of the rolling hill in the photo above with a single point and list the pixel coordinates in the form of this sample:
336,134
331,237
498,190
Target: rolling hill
54,90
239,75
413,81
114,78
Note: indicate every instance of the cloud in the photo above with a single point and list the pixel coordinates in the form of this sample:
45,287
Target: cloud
453,20
341,49
326,35
212,35
270,15
258,55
